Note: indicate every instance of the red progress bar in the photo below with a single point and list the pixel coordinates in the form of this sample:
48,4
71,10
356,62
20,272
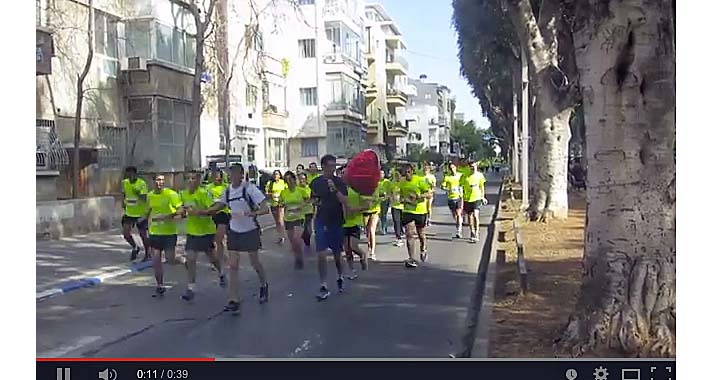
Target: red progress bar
126,359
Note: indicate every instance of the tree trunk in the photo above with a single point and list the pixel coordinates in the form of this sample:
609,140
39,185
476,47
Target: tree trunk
626,64
554,107
76,165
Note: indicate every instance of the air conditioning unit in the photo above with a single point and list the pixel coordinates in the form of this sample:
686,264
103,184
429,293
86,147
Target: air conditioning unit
133,64
330,58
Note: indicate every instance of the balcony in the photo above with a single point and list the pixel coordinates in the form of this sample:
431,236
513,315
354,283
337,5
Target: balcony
395,41
338,62
337,10
396,64
396,128
275,119
371,91
396,97
342,109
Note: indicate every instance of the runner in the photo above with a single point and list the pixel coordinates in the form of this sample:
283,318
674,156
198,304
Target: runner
371,218
312,172
293,200
474,197
299,169
134,191
328,222
309,211
354,206
164,205
414,191
273,190
397,208
384,189
430,179
451,184
221,219
200,231
246,203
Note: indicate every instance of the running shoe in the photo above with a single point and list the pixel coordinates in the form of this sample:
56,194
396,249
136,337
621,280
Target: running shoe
281,241
323,294
222,281
341,285
160,290
398,243
424,255
233,307
188,295
473,239
410,263
457,235
263,294
134,253
352,276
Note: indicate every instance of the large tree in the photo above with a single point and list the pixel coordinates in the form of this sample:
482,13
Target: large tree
545,37
626,62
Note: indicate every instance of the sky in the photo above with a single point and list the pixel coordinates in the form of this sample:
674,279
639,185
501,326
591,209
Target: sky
432,49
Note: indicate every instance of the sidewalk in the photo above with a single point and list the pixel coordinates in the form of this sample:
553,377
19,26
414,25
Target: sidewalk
389,311
73,262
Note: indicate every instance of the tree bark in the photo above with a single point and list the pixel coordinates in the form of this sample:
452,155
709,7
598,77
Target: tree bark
626,62
76,165
554,107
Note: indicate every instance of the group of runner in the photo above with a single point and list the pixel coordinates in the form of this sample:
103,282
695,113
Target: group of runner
303,203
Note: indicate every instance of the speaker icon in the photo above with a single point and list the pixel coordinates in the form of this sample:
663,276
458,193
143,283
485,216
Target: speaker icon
108,374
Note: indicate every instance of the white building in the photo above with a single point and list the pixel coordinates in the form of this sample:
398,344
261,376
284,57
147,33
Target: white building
430,116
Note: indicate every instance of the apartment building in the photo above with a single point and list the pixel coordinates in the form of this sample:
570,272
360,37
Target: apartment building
387,84
430,115
137,97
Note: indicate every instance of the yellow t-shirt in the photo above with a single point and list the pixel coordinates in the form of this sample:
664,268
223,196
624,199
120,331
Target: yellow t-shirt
451,184
135,207
164,203
309,207
411,189
216,192
396,196
274,188
430,179
474,187
294,203
198,225
356,201
373,202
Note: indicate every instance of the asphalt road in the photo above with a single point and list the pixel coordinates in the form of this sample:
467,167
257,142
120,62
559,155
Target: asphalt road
389,311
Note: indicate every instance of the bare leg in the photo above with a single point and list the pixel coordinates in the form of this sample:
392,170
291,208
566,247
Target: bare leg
126,232
157,266
279,226
296,243
191,257
221,230
372,234
144,235
322,266
258,267
411,240
233,264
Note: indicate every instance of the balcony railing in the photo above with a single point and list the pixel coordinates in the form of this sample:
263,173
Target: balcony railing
50,155
343,8
396,92
396,58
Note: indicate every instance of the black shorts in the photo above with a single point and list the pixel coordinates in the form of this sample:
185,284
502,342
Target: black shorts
221,218
368,214
289,226
454,204
200,243
162,242
244,241
418,219
470,207
353,231
142,224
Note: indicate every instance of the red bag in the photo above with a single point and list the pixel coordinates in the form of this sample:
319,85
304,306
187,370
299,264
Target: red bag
362,172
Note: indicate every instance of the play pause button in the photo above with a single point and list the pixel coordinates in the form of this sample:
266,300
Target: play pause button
63,374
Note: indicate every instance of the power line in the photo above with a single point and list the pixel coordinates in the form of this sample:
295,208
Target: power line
427,56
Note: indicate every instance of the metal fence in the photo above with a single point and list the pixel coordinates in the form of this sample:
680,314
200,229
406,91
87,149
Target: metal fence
50,155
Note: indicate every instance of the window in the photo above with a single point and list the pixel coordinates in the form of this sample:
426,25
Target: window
306,2
307,48
333,34
174,45
171,133
138,39
275,152
251,96
308,96
251,153
113,139
309,147
105,34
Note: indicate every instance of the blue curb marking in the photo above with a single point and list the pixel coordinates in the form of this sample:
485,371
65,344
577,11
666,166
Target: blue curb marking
87,282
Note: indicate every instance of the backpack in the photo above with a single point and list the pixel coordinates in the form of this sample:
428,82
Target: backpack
248,199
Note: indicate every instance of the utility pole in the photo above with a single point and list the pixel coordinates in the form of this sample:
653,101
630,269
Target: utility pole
514,152
524,131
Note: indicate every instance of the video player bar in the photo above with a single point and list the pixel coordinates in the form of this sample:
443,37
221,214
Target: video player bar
413,369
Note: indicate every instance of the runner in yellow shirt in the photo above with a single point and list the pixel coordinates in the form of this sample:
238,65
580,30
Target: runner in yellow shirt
273,189
312,172
200,231
474,197
430,179
414,192
216,188
164,205
452,185
309,211
354,206
134,192
397,208
293,199
383,187
371,218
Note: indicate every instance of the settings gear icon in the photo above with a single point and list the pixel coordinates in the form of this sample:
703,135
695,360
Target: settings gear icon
600,373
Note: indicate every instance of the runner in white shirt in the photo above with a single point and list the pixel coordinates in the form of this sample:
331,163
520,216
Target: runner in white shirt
246,202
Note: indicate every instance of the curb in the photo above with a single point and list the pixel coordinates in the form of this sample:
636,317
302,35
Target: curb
73,285
475,340
91,281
